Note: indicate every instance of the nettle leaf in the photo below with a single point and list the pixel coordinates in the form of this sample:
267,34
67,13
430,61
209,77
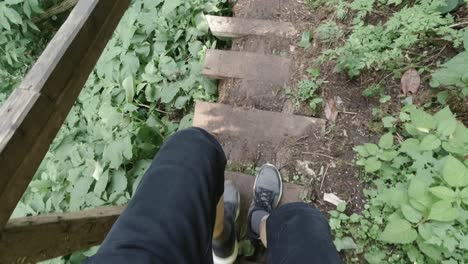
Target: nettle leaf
443,211
362,151
447,122
372,164
465,39
169,92
443,193
386,141
422,121
411,214
455,172
372,149
430,142
116,151
398,231
79,192
118,182
170,5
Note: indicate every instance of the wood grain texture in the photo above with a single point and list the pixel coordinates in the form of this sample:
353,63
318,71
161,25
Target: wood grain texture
232,27
222,64
33,239
250,135
32,116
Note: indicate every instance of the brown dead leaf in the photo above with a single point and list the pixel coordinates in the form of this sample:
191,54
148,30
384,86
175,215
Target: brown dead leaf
331,112
410,82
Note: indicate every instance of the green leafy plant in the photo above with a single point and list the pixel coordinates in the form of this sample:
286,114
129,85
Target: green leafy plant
453,73
383,46
307,91
141,91
419,199
329,32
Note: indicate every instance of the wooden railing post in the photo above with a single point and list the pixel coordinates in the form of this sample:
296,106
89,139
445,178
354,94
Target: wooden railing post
35,111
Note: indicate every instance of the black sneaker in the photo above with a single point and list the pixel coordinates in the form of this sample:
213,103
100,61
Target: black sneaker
267,192
225,249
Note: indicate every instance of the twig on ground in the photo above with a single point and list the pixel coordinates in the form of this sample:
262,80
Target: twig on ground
459,24
348,113
324,175
318,154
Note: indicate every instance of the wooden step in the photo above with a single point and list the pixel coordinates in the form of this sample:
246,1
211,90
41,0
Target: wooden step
232,27
223,64
252,136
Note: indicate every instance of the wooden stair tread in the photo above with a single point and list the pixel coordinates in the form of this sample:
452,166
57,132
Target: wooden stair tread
249,136
223,64
233,27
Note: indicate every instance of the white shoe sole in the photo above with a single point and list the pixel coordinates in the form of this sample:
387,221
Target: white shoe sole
229,260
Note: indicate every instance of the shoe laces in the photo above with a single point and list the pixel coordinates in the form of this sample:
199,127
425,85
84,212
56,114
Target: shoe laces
264,199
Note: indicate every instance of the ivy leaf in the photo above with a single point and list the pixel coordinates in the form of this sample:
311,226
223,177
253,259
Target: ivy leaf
386,141
411,214
443,211
455,172
305,40
398,231
430,142
443,193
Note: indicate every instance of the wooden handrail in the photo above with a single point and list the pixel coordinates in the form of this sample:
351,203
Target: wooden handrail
35,111
37,238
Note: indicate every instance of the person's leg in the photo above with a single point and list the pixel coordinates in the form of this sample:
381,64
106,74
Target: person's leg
171,217
299,233
293,233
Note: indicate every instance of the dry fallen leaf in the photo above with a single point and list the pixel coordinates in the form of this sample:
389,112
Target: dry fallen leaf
331,112
410,82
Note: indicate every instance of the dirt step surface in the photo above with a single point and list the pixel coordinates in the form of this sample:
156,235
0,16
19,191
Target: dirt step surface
251,136
258,94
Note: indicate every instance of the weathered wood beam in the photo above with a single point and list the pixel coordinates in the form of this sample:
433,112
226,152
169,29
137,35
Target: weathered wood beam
34,113
233,27
33,239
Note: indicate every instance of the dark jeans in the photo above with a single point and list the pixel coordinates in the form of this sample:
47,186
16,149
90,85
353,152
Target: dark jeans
171,217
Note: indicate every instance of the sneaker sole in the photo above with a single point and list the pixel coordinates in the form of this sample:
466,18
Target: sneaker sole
281,185
229,260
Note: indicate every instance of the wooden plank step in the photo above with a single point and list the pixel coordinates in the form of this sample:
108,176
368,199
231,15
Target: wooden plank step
223,64
232,27
251,136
